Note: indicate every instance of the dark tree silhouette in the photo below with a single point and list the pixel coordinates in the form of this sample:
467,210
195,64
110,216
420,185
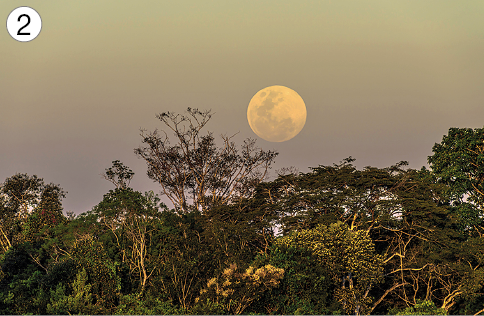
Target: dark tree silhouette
119,175
194,169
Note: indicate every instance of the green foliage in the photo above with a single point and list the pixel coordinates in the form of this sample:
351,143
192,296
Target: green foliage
119,175
135,304
305,289
371,241
62,272
185,261
236,289
425,307
21,191
131,220
458,161
91,256
79,302
41,223
364,199
20,285
207,307
236,233
350,258
19,194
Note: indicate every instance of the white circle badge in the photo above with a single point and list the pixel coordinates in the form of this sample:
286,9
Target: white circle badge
24,24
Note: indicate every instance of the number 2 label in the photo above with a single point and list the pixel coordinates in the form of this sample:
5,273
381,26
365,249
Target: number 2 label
28,22
24,24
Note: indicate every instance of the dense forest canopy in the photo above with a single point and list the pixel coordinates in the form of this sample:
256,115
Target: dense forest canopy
335,240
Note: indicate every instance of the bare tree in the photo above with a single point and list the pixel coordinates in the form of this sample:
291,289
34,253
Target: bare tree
194,173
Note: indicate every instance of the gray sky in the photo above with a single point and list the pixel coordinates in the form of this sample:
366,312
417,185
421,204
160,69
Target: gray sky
382,80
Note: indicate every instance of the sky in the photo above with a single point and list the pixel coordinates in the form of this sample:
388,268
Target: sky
383,81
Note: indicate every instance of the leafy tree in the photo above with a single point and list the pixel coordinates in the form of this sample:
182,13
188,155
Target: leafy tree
19,195
62,272
421,308
185,259
424,256
364,199
20,282
405,212
132,219
468,291
39,228
235,290
458,161
90,255
350,257
32,209
79,302
137,304
119,175
306,287
236,233
46,215
21,192
194,169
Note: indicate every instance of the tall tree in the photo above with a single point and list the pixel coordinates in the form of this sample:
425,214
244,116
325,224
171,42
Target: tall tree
22,192
350,257
132,218
458,161
20,195
306,288
89,254
186,261
194,173
46,215
404,211
237,233
364,199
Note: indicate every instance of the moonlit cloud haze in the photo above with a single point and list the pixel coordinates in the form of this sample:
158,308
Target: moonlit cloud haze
382,80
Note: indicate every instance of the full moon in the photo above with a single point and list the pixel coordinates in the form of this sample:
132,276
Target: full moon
276,113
